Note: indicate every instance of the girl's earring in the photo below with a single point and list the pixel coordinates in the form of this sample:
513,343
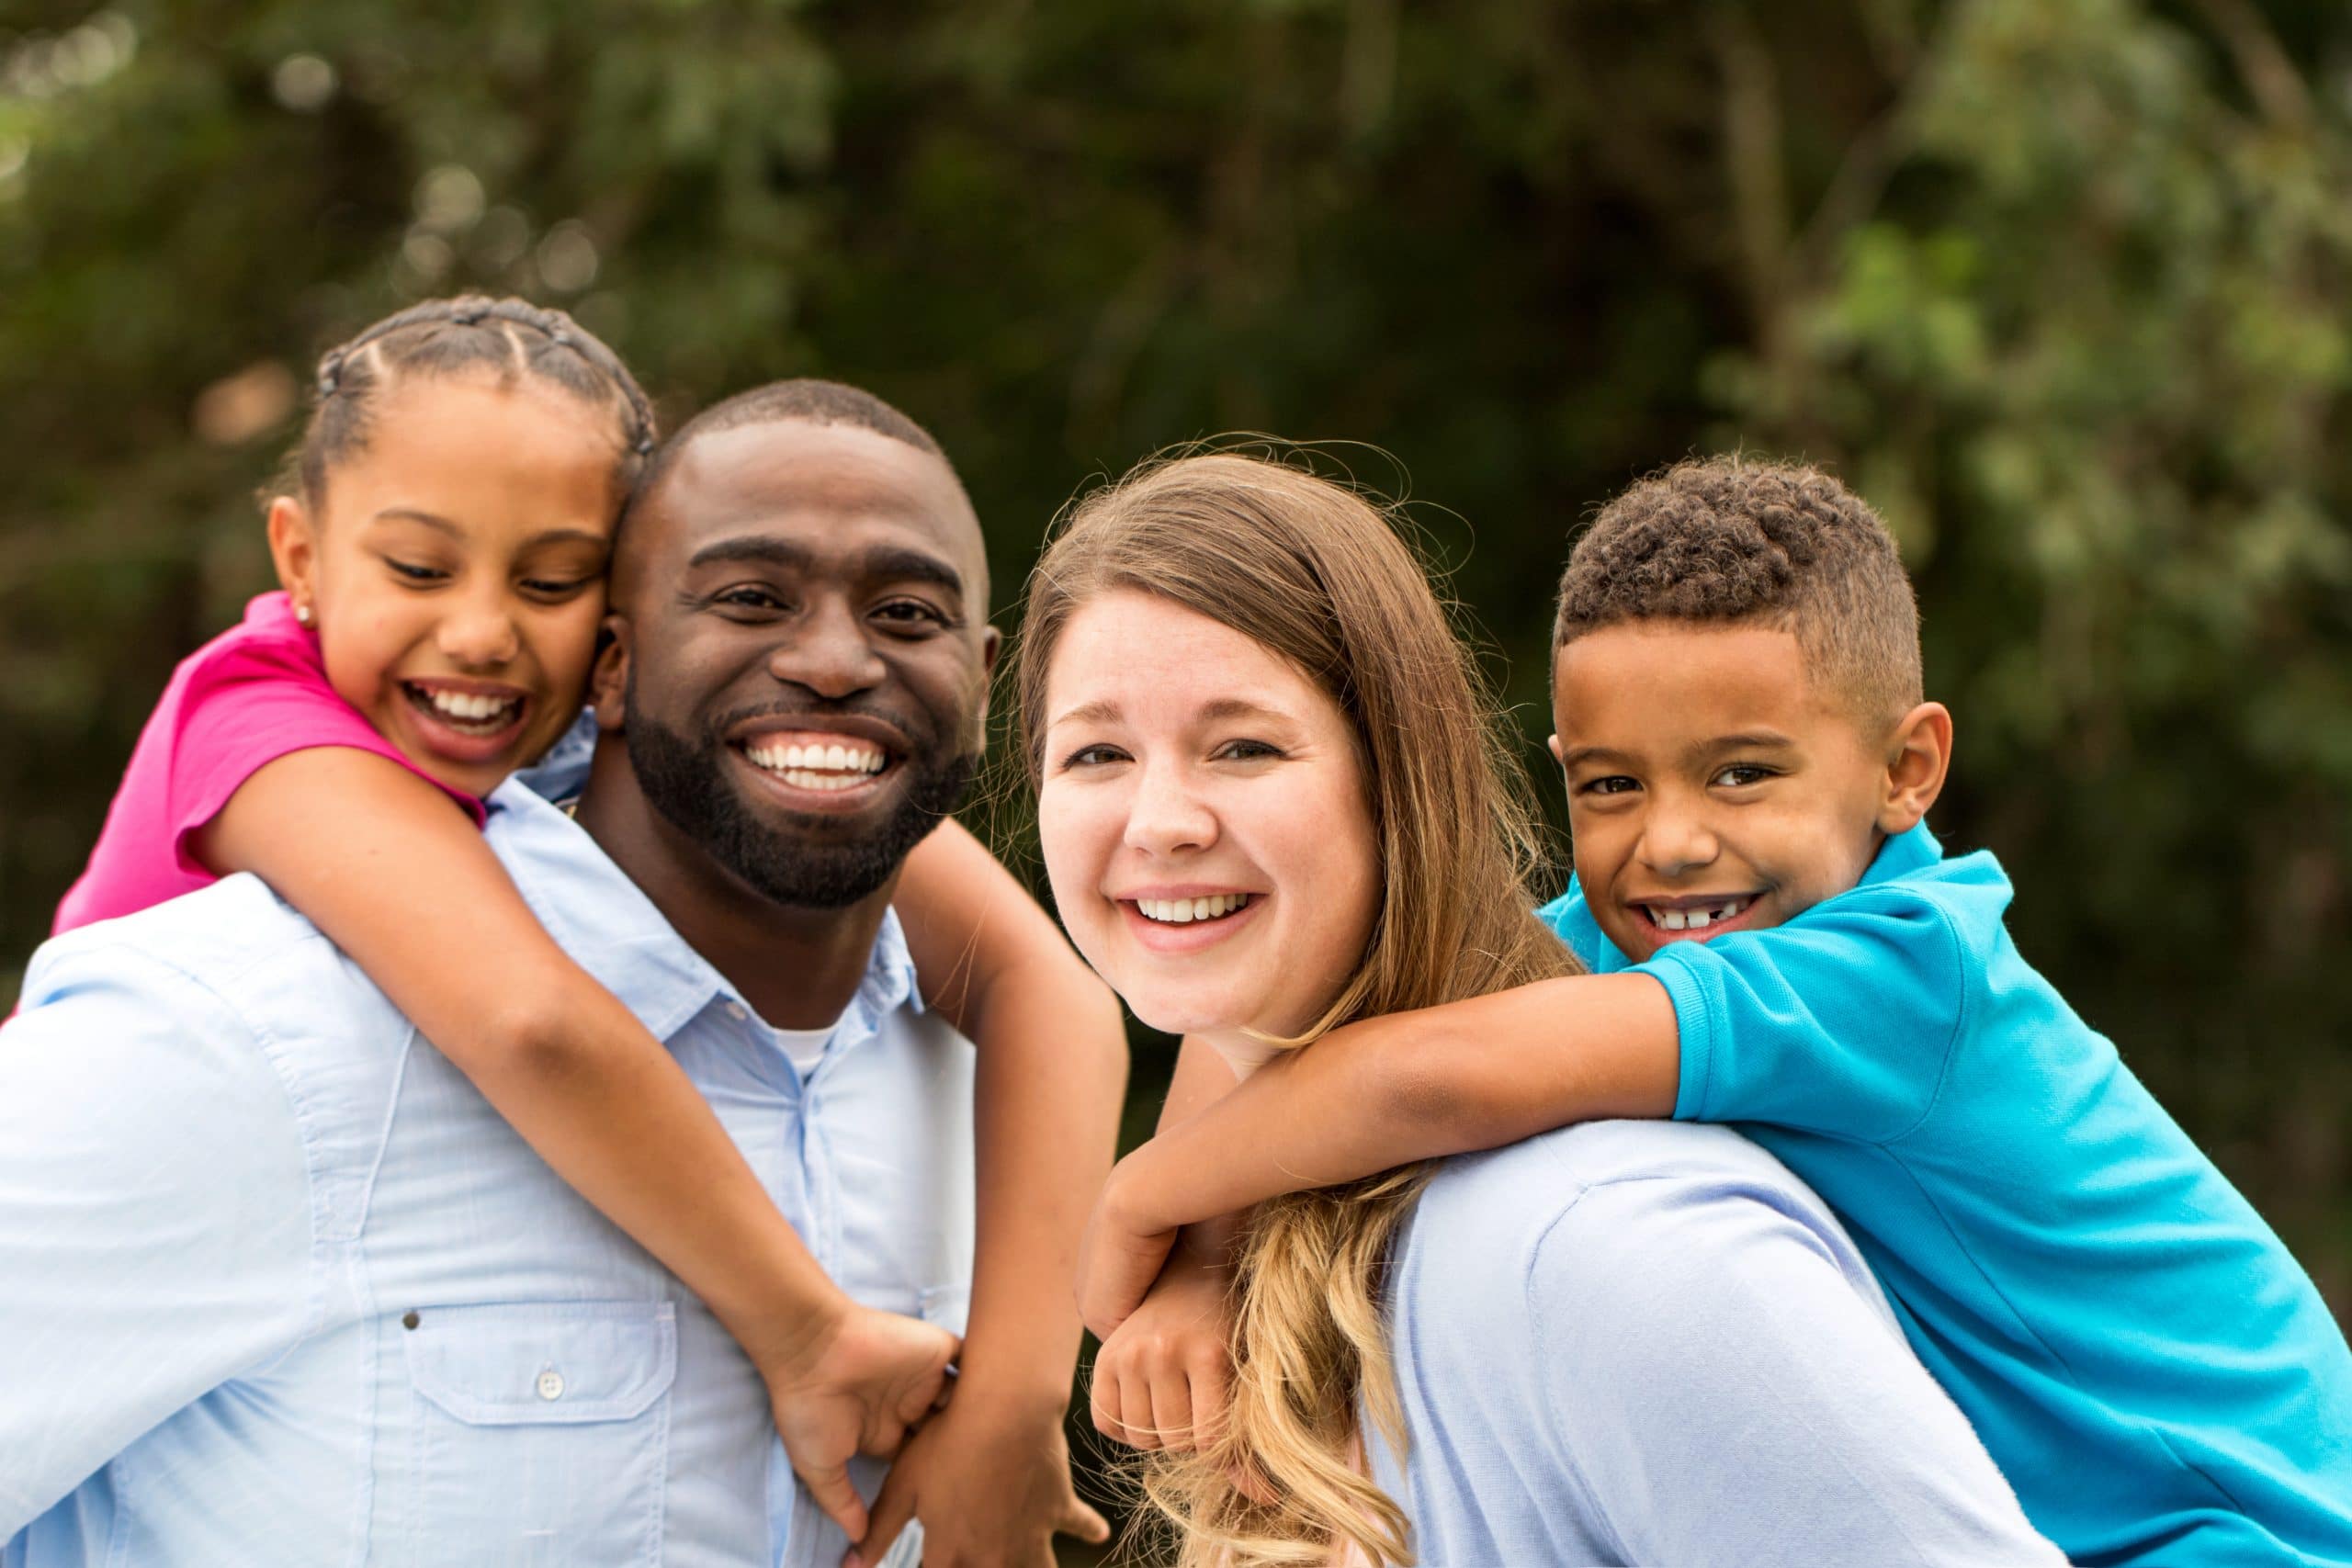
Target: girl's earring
302,614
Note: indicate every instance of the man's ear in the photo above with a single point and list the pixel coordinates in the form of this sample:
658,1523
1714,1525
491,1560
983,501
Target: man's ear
1918,756
608,682
294,550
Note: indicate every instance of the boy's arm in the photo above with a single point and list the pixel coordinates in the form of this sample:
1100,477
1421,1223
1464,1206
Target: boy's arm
1049,1080
376,858
1386,1092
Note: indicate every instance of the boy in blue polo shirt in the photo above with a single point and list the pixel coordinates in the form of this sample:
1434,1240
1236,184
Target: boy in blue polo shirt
1777,940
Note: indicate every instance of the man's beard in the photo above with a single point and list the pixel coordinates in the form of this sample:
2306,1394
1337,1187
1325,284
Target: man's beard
687,783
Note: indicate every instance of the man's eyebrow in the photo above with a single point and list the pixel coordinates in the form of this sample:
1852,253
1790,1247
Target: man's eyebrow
901,565
764,550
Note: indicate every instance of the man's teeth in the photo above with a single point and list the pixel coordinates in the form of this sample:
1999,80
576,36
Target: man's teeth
1183,911
818,767
1697,919
467,706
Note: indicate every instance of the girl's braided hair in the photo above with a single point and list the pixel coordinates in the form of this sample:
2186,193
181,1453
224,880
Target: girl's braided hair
511,337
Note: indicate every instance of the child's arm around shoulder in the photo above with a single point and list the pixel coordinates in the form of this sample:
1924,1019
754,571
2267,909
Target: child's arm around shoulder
1386,1092
377,859
990,1475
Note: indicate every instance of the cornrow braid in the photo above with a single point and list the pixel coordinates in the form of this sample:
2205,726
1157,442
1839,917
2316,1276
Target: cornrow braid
510,337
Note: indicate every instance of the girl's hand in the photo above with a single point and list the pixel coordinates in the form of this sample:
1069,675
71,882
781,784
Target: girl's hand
989,1479
1118,1262
1161,1379
855,1383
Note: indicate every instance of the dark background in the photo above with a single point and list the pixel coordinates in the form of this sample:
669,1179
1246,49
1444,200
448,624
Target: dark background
2059,284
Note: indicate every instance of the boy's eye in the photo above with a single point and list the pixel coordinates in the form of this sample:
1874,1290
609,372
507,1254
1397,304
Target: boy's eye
1741,775
1612,784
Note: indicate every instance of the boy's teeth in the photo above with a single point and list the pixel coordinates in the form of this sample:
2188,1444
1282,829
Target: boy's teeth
1183,911
1697,919
826,767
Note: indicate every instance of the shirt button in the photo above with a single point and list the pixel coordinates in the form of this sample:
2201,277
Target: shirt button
735,1010
551,1385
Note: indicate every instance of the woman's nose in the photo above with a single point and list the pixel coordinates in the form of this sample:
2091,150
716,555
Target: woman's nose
828,651
479,635
1166,817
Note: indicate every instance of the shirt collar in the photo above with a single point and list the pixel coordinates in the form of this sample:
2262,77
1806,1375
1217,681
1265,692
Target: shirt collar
1904,854
612,928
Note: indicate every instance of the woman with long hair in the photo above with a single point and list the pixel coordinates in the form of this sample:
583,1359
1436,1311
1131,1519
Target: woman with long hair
1273,799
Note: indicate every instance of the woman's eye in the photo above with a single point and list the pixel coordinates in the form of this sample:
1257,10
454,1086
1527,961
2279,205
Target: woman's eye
1094,757
1247,752
413,573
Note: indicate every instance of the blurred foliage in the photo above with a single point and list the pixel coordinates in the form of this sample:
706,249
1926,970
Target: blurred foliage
2061,285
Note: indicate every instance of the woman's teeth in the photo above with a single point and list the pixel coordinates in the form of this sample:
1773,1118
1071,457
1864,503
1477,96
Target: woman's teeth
469,710
818,767
1697,919
1183,911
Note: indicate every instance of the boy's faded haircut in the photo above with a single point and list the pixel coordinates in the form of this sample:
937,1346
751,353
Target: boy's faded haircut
1729,539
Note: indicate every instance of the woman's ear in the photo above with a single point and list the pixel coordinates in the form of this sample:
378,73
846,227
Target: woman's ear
608,682
1918,754
294,550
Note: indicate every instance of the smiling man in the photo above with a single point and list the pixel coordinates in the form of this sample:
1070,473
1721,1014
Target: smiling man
283,1288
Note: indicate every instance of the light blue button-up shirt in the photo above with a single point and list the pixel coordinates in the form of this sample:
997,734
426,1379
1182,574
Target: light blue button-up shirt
1645,1342
278,1287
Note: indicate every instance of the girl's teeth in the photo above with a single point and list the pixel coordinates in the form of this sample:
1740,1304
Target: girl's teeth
467,707
1183,911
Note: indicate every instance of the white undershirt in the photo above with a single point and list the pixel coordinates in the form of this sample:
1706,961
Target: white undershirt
803,1047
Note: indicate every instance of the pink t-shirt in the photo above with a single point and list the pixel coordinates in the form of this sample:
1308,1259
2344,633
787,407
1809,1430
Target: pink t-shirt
249,697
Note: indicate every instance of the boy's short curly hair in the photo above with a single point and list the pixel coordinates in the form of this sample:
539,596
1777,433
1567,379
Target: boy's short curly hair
1730,539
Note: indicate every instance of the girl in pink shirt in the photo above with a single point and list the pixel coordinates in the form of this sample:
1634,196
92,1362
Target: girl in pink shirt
443,558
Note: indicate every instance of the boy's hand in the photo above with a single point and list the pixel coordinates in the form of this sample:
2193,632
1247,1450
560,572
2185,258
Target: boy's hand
854,1385
1160,1381
1118,1262
990,1480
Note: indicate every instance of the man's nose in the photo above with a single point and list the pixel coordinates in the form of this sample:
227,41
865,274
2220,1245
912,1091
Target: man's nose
1675,838
829,651
478,632
1166,815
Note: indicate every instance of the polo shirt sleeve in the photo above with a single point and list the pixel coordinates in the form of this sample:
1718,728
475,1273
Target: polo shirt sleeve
155,1214
1720,1391
1841,1022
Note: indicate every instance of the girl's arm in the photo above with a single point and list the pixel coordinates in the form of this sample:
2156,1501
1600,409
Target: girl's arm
1388,1091
379,861
1052,1073
990,1478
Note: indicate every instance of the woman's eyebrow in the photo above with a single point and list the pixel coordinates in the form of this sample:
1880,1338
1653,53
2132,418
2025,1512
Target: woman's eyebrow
1102,710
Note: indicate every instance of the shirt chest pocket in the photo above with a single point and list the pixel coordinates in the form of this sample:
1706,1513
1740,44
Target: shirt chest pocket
541,1434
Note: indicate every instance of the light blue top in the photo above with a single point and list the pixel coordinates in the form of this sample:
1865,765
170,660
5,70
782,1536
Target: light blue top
1638,1342
281,1288
2146,1362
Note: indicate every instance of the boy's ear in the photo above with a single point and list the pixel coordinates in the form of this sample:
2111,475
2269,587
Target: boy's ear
1918,754
608,682
294,548
1553,742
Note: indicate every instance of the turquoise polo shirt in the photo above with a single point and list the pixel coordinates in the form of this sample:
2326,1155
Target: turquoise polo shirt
2154,1373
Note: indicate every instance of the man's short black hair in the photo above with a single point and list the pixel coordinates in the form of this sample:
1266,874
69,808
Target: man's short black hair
804,399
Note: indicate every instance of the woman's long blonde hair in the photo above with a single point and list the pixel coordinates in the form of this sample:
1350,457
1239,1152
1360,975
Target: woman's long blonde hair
1317,573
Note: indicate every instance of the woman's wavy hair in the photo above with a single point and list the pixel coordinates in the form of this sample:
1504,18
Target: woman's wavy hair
1317,573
